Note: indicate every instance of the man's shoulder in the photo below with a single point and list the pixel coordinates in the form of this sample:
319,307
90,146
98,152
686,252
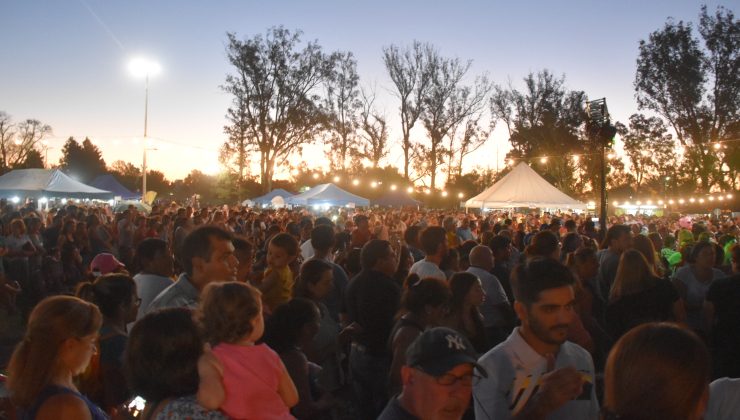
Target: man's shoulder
576,353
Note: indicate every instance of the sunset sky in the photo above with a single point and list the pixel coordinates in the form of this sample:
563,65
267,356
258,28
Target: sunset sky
64,62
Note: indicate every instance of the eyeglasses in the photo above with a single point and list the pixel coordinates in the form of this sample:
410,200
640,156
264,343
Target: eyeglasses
449,379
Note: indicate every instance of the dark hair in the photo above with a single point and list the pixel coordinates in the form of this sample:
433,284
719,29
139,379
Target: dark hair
322,237
460,284
656,371
353,262
286,242
311,272
420,293
149,248
613,233
448,261
283,328
226,311
241,244
198,244
697,249
161,358
431,238
108,292
580,256
536,275
544,244
411,236
372,252
498,242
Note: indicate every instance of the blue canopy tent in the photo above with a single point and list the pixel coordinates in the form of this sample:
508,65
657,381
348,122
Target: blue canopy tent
267,198
49,183
109,183
327,194
396,199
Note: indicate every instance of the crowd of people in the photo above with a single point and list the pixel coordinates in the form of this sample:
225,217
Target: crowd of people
213,313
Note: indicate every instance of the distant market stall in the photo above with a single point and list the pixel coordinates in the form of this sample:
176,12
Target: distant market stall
47,183
327,195
108,182
275,198
523,187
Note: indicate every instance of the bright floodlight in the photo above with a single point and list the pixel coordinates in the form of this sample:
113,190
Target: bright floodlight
409,190
142,67
393,187
373,184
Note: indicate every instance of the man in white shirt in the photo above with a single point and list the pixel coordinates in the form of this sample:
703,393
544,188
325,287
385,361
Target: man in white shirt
536,373
157,267
496,311
434,244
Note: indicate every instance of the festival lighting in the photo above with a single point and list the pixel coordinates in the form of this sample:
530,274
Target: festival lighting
729,196
616,203
142,67
461,195
393,187
356,182
543,159
576,158
294,172
43,200
336,179
650,202
511,162
626,204
444,193
681,201
410,190
701,200
692,200
374,184
427,191
639,203
610,155
315,176
660,202
720,198
717,146
671,201
711,198
15,200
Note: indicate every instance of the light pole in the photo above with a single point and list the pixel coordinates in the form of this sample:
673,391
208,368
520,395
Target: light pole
142,67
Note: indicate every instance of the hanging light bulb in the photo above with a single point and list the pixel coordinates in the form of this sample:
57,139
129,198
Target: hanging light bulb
393,187
543,159
355,182
410,190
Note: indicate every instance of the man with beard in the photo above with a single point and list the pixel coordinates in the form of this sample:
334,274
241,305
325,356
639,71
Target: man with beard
536,373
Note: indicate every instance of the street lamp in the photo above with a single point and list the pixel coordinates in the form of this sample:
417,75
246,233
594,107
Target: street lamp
141,67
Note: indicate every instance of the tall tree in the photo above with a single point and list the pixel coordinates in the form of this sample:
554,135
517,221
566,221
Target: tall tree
465,138
447,103
374,129
409,72
649,148
343,106
128,174
695,88
18,140
33,160
275,106
545,119
84,161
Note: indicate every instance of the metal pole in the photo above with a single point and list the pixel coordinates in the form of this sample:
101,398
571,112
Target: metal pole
146,115
602,215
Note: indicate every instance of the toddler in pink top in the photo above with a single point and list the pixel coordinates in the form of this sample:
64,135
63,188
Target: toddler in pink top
244,380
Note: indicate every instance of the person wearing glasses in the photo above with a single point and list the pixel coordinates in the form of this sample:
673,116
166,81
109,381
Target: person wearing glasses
536,373
115,295
437,378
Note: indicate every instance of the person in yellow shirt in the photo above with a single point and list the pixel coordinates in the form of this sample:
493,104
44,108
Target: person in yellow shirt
277,285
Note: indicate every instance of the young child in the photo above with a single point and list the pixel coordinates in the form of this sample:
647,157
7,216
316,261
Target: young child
246,381
277,285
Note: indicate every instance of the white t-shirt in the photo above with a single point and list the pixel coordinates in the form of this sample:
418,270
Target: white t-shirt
426,269
724,400
148,286
307,251
514,373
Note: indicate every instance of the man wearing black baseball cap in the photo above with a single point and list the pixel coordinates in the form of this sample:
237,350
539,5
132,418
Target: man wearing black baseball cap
437,379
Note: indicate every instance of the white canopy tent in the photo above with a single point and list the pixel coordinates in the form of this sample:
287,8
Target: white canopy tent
523,187
47,182
327,194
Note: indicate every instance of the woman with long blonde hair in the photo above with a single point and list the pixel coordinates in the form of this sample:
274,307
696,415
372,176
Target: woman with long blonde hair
59,342
638,296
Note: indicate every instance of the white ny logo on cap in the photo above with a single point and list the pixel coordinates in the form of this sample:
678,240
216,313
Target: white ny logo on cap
456,341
